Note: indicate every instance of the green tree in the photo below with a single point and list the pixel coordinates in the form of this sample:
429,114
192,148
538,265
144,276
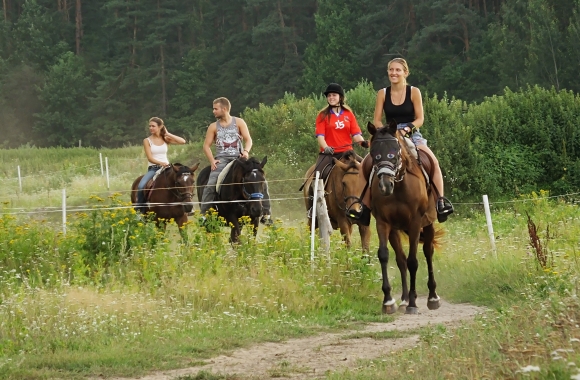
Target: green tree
63,120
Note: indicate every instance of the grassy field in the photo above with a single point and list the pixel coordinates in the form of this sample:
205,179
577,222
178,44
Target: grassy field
114,296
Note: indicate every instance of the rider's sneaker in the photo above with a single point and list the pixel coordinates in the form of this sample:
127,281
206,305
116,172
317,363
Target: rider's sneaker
444,209
267,220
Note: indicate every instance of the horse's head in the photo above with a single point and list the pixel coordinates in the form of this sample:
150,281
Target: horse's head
253,183
351,186
386,154
184,179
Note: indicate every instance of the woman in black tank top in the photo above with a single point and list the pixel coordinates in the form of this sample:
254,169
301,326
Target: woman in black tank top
403,104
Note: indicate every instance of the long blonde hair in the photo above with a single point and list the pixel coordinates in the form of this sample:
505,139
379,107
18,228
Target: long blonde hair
159,122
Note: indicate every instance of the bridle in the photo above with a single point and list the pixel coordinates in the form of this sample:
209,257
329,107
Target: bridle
346,198
247,194
175,189
391,167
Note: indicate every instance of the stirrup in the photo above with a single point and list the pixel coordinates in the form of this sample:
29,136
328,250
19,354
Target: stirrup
444,209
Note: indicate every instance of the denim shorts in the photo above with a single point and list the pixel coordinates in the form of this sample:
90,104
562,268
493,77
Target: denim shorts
418,139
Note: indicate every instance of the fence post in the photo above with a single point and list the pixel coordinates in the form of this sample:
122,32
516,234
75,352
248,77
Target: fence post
19,179
101,159
107,170
489,224
324,226
64,211
313,221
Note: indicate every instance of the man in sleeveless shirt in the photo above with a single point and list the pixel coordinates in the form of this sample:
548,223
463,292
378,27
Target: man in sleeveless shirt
232,140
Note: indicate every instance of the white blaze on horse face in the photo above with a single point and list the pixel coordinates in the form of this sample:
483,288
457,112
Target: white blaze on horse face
185,177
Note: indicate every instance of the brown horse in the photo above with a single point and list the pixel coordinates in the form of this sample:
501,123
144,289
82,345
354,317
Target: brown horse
401,201
341,191
170,194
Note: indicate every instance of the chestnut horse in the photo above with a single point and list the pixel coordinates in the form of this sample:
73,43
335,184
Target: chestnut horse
401,201
170,194
342,189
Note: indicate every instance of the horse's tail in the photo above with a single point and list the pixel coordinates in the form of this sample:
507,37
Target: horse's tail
439,233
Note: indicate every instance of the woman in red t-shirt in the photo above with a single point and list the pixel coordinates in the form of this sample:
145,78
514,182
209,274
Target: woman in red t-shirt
336,129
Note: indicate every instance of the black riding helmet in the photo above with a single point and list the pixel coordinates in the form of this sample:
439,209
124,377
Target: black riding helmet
334,88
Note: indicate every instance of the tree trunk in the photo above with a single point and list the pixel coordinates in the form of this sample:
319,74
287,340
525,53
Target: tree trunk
162,53
79,26
5,10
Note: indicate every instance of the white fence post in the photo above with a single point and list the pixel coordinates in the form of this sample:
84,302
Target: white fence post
324,226
101,159
313,222
19,179
64,211
107,170
489,225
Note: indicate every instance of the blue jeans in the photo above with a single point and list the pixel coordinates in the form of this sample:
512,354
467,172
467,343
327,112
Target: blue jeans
150,173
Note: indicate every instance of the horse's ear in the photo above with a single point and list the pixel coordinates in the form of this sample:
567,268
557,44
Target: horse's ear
371,128
264,161
392,127
194,167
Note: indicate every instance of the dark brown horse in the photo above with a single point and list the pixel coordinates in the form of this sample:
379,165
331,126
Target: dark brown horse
401,201
341,191
170,194
240,193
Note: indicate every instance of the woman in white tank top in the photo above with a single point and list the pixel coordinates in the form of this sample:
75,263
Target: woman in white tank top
156,151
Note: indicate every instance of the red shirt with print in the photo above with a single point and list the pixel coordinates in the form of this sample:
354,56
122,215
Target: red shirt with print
337,129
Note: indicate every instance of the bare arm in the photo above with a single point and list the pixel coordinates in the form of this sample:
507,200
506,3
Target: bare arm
173,139
149,155
209,139
378,116
322,142
243,128
418,106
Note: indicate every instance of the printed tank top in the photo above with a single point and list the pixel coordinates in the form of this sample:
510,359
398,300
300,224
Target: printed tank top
404,113
228,141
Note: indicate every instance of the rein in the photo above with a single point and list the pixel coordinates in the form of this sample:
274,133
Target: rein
345,199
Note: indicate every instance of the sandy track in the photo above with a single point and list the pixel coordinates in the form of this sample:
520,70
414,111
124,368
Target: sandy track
312,357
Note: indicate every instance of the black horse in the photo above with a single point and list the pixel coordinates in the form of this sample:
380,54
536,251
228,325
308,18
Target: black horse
240,193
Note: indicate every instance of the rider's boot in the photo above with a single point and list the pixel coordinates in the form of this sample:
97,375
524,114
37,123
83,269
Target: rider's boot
444,209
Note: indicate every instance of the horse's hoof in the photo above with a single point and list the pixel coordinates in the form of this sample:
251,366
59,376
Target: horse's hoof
411,310
403,306
390,309
433,305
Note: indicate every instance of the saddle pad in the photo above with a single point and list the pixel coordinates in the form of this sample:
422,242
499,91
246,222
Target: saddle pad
149,184
411,148
222,175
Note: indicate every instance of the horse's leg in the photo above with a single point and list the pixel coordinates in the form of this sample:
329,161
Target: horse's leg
413,265
395,240
365,237
255,224
433,302
180,223
235,234
383,229
345,230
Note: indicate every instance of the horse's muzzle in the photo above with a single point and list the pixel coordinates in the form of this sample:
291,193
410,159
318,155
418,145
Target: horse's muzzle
386,185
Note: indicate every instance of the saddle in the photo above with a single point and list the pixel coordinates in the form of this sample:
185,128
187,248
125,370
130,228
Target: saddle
222,176
149,185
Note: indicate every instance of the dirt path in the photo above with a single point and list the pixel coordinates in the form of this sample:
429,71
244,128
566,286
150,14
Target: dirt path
312,357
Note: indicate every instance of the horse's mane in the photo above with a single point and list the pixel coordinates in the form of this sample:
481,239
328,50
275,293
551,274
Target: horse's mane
411,164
